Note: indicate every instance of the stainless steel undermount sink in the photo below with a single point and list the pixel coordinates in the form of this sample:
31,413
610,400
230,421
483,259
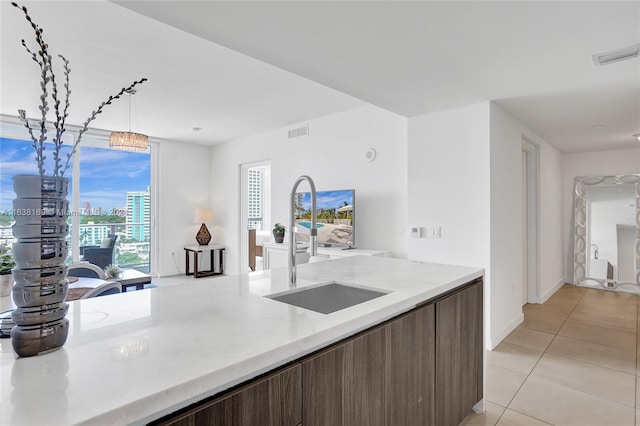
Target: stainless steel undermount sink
327,298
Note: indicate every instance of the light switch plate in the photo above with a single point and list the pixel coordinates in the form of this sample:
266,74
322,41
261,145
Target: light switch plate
415,232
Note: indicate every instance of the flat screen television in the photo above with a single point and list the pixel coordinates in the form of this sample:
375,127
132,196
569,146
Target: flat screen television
335,215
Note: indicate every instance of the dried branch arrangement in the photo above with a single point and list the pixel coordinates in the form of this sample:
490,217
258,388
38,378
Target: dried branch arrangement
38,128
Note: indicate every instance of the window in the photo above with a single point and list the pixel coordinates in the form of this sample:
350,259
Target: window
115,198
110,193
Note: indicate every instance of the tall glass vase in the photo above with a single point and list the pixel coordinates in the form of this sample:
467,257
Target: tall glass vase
40,211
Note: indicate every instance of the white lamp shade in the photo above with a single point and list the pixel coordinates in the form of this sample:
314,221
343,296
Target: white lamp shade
203,215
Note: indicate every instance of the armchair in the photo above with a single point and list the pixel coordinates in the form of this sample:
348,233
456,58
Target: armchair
101,255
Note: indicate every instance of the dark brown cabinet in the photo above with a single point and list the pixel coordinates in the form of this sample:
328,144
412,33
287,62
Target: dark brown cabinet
421,368
459,354
383,377
409,390
274,400
344,385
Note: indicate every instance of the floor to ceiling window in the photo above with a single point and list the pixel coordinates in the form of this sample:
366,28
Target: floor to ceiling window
110,194
115,199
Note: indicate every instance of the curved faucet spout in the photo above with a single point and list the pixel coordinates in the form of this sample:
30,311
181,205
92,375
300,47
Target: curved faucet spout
292,227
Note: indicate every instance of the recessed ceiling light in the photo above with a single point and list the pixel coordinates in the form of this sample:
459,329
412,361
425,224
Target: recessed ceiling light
599,126
612,56
196,129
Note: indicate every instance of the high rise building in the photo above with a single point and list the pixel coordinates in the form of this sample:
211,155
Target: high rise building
138,215
92,234
256,207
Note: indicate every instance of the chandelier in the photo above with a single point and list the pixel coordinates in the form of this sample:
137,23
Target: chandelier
129,141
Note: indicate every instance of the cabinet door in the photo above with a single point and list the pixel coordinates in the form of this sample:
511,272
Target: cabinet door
410,380
459,350
273,401
345,385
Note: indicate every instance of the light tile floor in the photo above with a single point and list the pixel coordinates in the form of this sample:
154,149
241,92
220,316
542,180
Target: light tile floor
573,361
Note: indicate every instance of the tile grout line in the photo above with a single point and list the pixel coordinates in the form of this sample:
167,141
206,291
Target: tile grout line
536,364
555,335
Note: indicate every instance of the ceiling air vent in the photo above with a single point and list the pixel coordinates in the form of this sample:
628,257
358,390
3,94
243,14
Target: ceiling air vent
300,131
610,57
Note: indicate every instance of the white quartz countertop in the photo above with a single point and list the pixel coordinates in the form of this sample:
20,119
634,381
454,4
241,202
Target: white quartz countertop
134,357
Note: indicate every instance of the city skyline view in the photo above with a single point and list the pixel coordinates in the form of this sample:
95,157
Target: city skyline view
106,175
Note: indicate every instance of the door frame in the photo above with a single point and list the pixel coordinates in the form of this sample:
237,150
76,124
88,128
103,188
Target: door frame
243,233
532,151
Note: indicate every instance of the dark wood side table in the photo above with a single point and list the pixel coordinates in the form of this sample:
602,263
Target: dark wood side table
212,249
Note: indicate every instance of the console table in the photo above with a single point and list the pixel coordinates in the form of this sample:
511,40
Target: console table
212,249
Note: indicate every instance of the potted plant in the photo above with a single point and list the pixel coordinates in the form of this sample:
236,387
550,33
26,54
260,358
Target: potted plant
112,272
278,232
6,265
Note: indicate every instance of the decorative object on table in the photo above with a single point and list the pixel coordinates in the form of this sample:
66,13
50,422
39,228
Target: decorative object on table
112,271
278,232
202,215
6,265
41,211
40,273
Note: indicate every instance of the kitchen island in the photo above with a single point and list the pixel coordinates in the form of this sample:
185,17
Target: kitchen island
135,357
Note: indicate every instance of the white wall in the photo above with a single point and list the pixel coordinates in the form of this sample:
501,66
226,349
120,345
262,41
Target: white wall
334,156
614,162
507,134
506,224
465,176
184,183
448,161
550,249
449,186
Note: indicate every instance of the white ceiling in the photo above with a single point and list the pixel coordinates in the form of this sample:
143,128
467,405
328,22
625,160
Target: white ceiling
317,58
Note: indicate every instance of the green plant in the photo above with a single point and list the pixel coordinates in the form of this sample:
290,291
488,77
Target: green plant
278,229
6,261
112,271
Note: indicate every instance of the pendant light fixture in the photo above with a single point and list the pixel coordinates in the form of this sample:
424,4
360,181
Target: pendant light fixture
129,141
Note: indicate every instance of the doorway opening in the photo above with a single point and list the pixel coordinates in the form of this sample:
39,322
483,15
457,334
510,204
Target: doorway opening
255,208
530,222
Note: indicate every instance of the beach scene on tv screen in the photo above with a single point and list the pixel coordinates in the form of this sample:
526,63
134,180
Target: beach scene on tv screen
334,215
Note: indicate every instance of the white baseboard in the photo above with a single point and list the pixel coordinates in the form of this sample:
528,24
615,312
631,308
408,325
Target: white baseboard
549,292
495,340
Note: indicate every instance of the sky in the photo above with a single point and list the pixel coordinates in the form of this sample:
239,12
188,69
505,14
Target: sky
106,175
329,199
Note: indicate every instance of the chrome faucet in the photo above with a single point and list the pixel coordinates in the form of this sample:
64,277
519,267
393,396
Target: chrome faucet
292,227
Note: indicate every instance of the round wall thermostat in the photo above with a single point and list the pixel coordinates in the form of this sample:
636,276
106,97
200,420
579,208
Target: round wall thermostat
371,154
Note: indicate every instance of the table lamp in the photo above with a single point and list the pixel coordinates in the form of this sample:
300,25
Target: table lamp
203,215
